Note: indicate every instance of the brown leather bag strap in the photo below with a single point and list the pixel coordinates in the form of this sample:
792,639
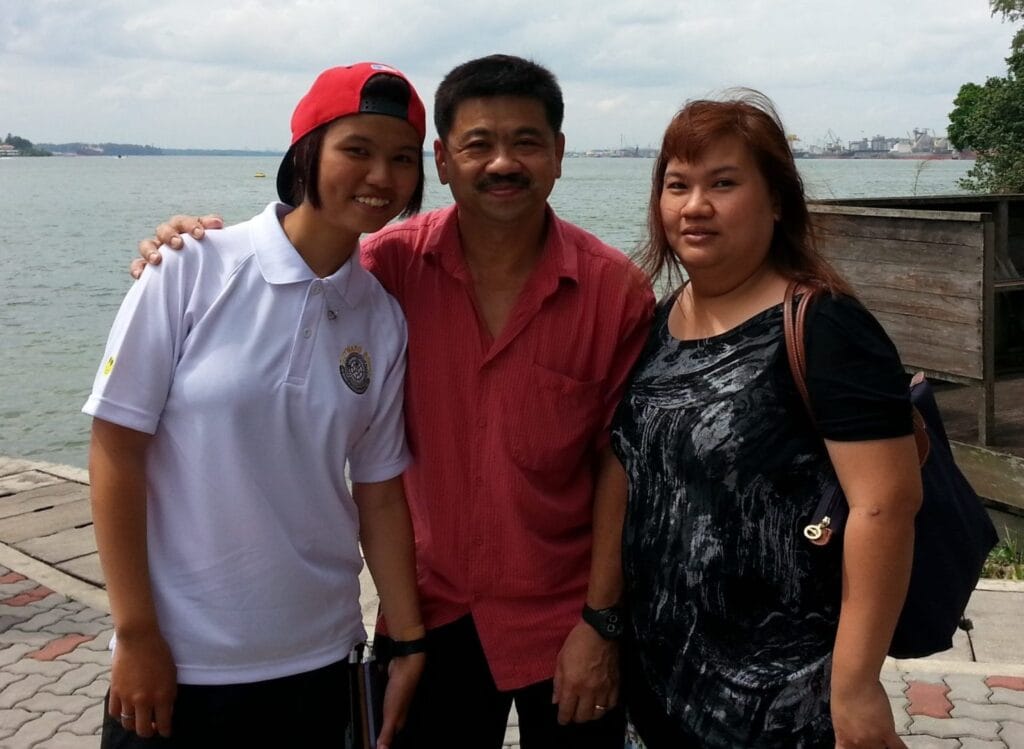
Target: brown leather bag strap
793,330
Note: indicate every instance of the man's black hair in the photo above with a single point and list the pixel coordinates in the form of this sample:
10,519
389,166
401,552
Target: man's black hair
497,75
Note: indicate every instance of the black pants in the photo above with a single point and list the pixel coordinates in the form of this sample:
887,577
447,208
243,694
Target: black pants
310,709
458,706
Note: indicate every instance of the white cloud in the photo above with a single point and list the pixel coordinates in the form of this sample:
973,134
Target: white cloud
189,73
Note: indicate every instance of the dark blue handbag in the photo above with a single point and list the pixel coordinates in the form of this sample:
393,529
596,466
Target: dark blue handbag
953,533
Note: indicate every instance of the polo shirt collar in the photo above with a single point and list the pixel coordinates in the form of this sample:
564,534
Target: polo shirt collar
281,263
445,245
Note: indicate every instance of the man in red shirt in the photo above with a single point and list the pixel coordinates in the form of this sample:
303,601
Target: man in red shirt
522,332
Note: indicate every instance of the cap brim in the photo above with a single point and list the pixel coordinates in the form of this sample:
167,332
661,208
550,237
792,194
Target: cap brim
286,177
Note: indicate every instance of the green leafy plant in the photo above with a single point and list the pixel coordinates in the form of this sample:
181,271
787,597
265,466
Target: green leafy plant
1006,560
989,118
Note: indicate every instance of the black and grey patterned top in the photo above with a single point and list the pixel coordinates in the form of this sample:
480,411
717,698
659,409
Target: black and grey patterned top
733,612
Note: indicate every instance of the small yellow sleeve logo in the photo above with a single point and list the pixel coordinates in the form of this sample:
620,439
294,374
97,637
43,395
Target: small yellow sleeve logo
108,367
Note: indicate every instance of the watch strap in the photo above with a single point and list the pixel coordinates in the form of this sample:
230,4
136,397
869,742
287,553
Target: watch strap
608,622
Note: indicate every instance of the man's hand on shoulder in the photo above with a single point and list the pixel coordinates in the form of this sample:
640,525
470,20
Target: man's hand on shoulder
168,234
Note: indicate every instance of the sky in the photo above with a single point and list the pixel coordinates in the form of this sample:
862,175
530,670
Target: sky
200,74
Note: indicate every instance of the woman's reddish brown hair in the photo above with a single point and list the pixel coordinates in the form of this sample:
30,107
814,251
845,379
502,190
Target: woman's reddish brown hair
750,116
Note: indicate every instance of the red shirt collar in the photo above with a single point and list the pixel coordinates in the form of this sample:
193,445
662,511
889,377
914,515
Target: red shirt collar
559,259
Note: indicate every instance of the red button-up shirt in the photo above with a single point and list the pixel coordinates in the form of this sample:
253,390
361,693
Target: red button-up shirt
505,432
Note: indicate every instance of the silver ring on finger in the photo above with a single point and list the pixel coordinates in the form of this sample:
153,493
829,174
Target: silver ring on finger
127,716
601,708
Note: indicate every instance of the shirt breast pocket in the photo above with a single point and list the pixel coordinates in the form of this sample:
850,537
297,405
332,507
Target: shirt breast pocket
553,420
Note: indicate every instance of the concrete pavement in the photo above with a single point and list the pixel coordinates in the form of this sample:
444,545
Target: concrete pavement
54,631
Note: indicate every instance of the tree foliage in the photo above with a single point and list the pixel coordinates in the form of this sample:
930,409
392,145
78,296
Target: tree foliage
989,119
1011,10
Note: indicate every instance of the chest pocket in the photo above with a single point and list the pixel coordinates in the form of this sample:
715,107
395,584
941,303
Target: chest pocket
552,421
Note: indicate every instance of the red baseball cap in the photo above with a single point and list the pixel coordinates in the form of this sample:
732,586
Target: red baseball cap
339,92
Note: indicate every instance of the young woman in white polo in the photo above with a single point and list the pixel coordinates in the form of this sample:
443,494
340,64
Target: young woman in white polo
238,386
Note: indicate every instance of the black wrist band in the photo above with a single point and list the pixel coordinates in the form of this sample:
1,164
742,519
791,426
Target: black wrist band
402,648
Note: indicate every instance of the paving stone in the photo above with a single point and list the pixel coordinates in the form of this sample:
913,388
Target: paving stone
511,737
1007,697
928,699
952,728
993,712
16,636
69,626
89,723
10,590
1008,682
12,720
6,679
973,743
45,702
101,644
51,669
82,654
42,621
40,729
24,598
89,614
22,689
967,687
930,742
1013,735
928,677
67,740
11,577
895,689
58,647
7,621
23,613
77,678
96,689
899,713
13,653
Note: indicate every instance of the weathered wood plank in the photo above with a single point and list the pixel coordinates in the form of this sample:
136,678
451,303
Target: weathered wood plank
14,465
937,333
995,476
21,527
62,545
85,568
934,345
914,303
938,280
943,236
900,213
41,498
20,482
920,257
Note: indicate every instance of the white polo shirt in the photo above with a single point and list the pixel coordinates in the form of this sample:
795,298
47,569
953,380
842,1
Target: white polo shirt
258,381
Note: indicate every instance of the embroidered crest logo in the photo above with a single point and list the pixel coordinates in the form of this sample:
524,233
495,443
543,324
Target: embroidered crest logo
355,369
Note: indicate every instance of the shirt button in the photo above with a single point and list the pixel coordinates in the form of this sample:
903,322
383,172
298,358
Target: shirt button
307,333
317,288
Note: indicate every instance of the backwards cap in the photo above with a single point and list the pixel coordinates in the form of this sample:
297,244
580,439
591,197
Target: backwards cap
339,92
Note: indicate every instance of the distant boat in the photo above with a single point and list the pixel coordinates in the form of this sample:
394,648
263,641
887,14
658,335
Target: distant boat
260,174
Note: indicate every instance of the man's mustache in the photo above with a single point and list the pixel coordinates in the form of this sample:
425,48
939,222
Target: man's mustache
499,180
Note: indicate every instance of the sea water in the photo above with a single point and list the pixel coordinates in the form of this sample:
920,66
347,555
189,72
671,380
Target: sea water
69,227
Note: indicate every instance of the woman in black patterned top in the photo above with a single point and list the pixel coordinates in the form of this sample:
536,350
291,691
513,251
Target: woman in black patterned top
744,633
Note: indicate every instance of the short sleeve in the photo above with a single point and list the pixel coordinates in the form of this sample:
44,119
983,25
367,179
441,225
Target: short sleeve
381,452
857,384
134,378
